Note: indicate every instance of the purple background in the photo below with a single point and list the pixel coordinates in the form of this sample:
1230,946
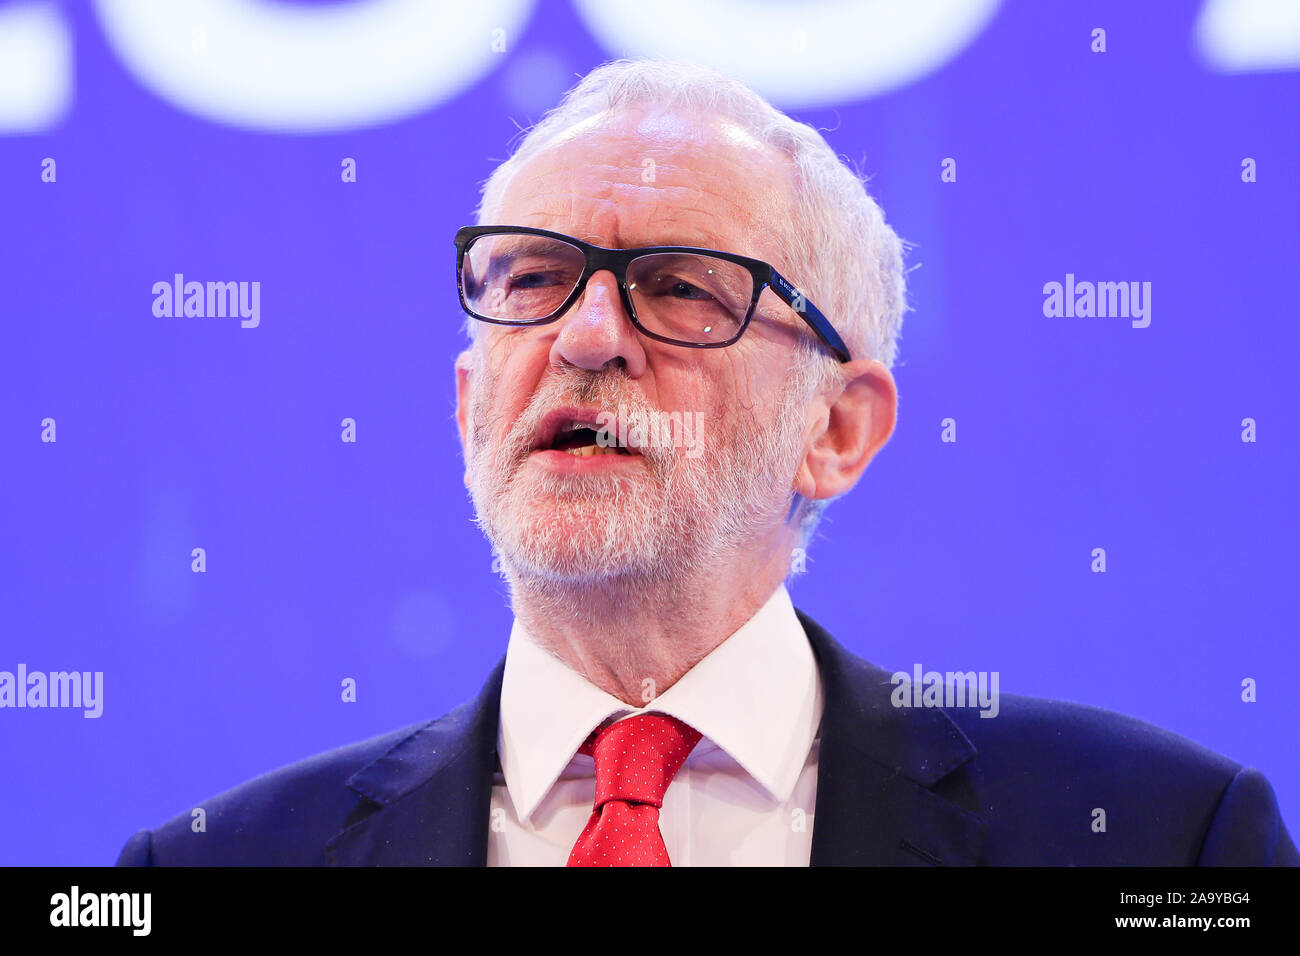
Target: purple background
329,560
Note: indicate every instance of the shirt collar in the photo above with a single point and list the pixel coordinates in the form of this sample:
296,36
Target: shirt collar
757,696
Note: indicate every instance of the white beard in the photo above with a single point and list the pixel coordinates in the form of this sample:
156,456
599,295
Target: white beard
668,521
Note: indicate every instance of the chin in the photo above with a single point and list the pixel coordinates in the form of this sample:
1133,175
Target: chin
572,542
582,550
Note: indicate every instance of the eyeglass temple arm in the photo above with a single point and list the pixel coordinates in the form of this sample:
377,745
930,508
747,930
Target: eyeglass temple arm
810,313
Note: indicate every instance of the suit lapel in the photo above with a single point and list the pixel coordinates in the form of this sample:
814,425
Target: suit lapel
428,798
895,786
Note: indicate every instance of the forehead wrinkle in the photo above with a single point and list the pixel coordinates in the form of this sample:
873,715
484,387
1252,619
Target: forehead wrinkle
698,185
593,176
667,222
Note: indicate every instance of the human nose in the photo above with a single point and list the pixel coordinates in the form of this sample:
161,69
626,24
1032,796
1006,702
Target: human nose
597,330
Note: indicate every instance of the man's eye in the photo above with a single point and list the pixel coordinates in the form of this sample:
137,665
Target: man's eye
684,290
532,280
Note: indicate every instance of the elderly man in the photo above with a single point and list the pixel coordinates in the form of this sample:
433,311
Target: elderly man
683,311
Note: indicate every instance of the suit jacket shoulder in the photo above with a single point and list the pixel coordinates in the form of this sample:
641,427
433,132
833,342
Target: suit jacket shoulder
1044,782
275,818
1086,786
319,811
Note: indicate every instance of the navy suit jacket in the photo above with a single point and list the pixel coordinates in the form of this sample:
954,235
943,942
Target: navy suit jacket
895,787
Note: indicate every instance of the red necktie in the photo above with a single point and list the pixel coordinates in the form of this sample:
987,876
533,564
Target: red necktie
636,760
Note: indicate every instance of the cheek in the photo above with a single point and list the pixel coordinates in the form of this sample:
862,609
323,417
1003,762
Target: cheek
747,395
520,355
513,368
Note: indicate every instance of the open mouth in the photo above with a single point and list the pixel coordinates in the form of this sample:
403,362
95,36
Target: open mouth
577,433
584,442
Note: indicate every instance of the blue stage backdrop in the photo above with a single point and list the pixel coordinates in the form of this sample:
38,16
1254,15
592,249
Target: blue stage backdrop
323,154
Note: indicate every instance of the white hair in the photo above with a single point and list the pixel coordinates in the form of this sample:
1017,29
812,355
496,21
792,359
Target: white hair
840,251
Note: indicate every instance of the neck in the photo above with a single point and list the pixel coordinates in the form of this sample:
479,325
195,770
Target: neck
634,638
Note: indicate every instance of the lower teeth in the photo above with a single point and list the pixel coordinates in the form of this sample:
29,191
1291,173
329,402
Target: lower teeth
586,451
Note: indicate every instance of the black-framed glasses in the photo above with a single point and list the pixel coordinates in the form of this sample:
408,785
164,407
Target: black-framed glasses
682,295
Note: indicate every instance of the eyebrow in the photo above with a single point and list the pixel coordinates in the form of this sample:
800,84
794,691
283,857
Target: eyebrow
519,245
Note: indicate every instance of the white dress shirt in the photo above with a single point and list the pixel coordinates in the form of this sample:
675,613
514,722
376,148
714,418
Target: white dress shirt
745,795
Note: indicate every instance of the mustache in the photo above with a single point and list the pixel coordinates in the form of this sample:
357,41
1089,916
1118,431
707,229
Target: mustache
604,390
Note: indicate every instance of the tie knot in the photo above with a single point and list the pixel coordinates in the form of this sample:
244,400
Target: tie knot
638,757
